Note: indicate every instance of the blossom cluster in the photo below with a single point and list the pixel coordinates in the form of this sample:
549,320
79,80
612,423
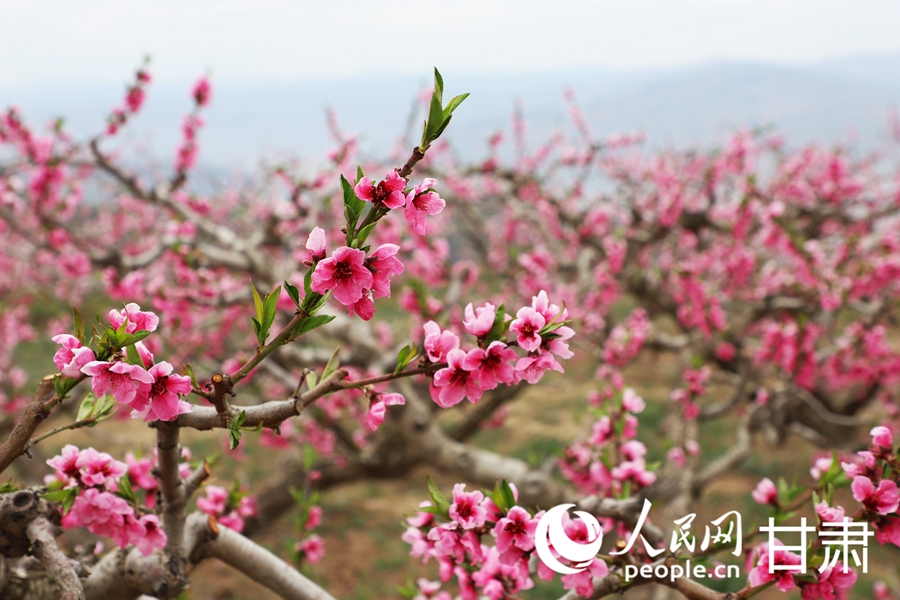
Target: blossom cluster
152,390
879,500
95,481
453,532
229,507
540,330
610,461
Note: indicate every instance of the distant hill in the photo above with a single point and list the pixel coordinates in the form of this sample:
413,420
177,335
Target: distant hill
828,102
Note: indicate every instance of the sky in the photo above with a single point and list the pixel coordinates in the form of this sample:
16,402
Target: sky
255,41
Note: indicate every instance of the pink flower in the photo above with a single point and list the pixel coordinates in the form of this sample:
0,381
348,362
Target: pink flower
119,379
387,194
515,529
313,548
421,202
315,246
384,264
214,502
248,507
453,383
364,307
344,273
863,466
438,343
160,400
888,530
583,581
101,513
232,521
883,500
676,455
98,467
532,368
466,508
314,517
820,465
527,326
881,591
378,407
783,579
541,303
833,583
765,492
479,321
829,514
201,92
632,402
491,367
138,320
66,465
72,356
154,537
881,435
145,354
140,471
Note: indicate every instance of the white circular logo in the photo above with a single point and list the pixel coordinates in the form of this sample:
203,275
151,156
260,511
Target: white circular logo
581,554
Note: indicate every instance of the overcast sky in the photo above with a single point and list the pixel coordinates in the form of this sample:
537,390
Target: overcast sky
241,41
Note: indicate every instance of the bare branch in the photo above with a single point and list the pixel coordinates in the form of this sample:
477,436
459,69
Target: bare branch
260,565
42,534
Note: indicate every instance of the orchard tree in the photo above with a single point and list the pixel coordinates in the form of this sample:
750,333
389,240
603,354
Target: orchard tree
255,313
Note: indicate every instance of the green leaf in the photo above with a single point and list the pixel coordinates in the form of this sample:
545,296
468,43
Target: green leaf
332,364
441,129
188,370
133,356
438,84
79,324
435,119
293,292
125,490
499,327
257,302
453,104
353,207
359,174
65,497
437,497
309,458
238,421
307,282
131,339
508,496
311,380
104,407
364,233
269,308
309,323
257,329
406,355
86,408
8,487
123,328
234,438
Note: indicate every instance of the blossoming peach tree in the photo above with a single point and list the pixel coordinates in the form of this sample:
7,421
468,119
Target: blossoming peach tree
768,277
